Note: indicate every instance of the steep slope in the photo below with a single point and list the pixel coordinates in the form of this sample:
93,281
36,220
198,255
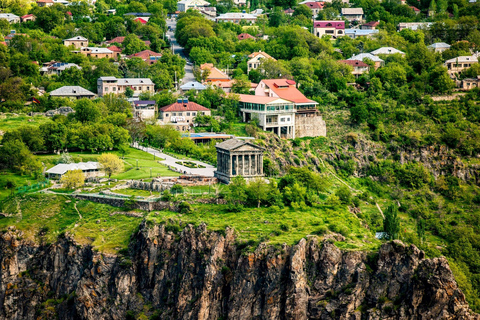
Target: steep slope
198,274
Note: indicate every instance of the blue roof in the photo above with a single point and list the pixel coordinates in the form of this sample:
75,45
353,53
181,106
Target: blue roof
206,135
144,102
193,85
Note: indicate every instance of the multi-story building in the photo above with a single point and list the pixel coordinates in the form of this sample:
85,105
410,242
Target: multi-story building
53,67
255,60
236,17
107,85
98,52
144,109
456,65
330,28
359,67
316,7
78,42
182,114
353,14
184,5
470,83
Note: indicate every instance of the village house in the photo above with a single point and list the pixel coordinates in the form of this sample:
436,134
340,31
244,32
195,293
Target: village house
53,67
359,67
10,17
244,36
238,158
72,92
372,25
118,86
236,17
316,7
413,25
456,65
148,56
470,83
193,85
387,51
255,60
353,14
307,121
355,33
98,52
415,9
144,109
28,17
45,3
330,28
78,42
184,5
439,47
368,56
182,114
117,52
89,169
215,74
289,12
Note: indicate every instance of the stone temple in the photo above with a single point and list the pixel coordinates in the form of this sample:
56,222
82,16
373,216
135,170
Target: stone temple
238,158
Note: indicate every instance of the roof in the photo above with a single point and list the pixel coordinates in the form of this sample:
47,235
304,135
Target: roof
189,106
72,91
354,11
386,50
145,54
214,72
329,24
194,2
285,89
63,66
236,15
289,10
77,38
142,21
193,85
361,32
261,53
117,40
138,14
463,59
8,16
134,81
234,143
62,168
415,9
371,24
315,5
243,36
354,63
114,49
439,45
27,16
98,50
44,1
108,78
363,56
142,102
261,99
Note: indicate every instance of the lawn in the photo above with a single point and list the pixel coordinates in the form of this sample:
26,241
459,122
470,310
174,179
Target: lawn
45,217
10,121
18,179
145,162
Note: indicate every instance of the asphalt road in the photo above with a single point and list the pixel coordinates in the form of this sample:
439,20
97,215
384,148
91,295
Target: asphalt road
177,49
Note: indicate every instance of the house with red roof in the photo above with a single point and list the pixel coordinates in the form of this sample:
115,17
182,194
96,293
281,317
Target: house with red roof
316,7
289,12
148,56
116,40
243,36
140,20
359,67
44,3
182,114
215,75
370,25
28,17
415,9
116,51
330,28
281,108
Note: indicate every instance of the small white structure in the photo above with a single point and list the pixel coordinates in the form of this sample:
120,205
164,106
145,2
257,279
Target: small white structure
193,85
368,56
439,46
352,14
184,5
90,169
10,17
355,33
386,50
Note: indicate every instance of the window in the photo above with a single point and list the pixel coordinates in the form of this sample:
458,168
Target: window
188,121
282,119
288,119
340,32
203,113
106,89
134,88
249,65
148,88
114,88
179,113
194,113
188,114
329,31
166,114
174,114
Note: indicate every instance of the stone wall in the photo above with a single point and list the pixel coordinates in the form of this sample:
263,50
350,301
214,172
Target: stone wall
162,184
310,126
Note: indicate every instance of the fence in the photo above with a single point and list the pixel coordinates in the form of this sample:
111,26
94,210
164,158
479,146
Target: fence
36,186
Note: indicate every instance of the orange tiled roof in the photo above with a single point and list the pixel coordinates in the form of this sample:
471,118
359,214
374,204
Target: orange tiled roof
266,55
215,74
243,36
145,54
354,63
114,49
285,89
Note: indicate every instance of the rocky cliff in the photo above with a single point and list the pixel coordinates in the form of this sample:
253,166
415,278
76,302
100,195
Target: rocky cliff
196,274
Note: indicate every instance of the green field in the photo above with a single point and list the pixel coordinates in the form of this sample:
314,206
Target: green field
145,162
11,121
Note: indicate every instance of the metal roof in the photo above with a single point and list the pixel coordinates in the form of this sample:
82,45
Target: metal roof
362,56
62,168
439,45
234,143
193,85
386,50
71,91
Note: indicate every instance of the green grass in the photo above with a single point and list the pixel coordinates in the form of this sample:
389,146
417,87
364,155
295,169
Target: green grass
10,121
18,179
136,192
238,129
145,162
53,215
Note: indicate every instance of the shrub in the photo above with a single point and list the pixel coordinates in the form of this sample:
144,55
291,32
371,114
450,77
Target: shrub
176,189
185,207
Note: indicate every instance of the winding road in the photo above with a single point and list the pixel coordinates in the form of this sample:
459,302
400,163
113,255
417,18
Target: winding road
177,49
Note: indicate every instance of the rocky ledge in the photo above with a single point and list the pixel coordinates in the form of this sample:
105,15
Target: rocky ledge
197,274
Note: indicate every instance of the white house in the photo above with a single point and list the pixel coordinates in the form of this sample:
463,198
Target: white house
89,169
184,5
10,17
255,60
387,50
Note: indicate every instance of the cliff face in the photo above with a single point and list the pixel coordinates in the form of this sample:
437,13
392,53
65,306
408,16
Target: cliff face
203,275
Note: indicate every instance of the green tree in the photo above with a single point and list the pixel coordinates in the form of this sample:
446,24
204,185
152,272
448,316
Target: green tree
15,155
110,163
132,44
257,191
391,223
87,111
236,193
73,179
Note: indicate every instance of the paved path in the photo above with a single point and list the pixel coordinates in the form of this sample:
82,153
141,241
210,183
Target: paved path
171,161
177,49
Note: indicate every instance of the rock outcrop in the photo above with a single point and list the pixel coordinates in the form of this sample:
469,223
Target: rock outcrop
197,274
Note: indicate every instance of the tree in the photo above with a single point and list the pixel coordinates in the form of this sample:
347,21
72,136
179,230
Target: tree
15,155
132,44
129,92
236,193
257,191
73,179
421,226
302,10
86,111
391,223
110,163
241,85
